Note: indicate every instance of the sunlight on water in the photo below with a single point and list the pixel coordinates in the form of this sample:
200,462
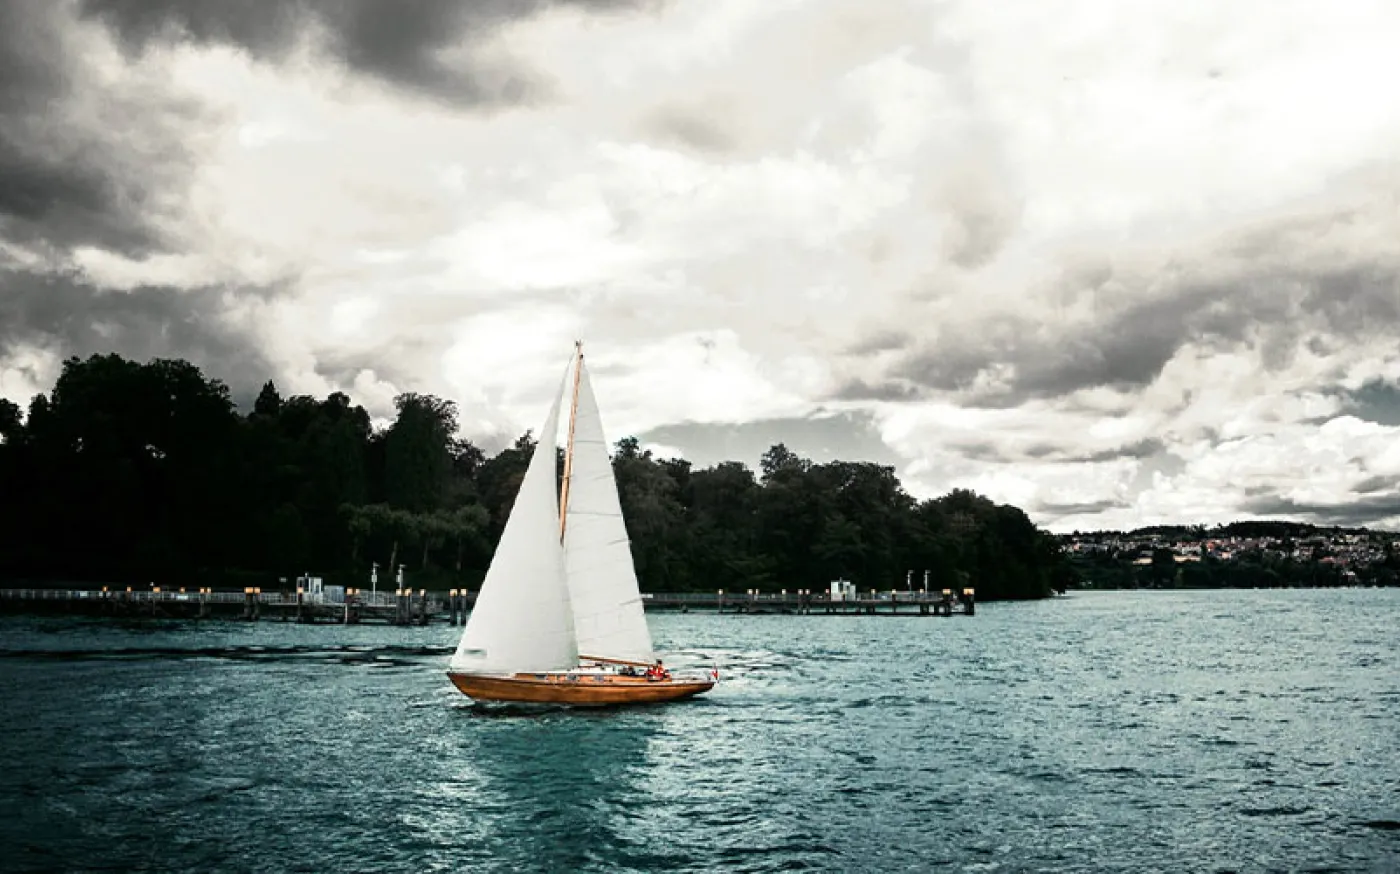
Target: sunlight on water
1113,731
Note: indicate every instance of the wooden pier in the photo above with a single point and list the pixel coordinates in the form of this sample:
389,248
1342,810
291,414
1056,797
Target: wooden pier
419,607
807,602
401,607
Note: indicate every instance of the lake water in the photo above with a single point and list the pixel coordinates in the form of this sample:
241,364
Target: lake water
1208,731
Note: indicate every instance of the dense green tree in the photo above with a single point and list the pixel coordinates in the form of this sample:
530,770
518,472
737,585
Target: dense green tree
11,421
418,452
269,402
1162,571
131,472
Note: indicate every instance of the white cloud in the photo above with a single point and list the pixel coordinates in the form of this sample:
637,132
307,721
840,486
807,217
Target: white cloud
27,371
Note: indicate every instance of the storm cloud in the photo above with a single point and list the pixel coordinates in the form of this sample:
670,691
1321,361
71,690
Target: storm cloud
1360,511
82,162
63,313
1117,324
416,46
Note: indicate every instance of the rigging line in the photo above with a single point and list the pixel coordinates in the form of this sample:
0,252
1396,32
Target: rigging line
569,452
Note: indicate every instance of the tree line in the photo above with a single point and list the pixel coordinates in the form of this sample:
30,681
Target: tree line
136,473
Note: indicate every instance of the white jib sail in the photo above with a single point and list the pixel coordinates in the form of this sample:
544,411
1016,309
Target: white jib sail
522,619
607,606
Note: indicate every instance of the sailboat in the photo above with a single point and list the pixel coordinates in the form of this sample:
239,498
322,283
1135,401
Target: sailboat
559,618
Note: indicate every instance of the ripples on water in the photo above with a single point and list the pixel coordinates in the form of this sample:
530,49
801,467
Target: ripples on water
1218,731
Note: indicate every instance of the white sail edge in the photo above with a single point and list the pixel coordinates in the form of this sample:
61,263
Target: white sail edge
523,620
605,599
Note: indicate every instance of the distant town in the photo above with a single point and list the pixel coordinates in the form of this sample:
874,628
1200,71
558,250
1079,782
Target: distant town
1249,554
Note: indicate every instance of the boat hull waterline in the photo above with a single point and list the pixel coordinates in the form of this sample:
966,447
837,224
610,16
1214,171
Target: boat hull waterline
579,689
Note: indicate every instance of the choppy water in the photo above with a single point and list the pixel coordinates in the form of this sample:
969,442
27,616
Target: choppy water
1239,731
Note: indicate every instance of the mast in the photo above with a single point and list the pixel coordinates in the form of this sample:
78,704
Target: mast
569,449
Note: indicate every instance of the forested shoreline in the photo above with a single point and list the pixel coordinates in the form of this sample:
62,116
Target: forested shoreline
138,473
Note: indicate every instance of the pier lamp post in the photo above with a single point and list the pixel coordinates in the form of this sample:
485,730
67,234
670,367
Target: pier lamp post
373,580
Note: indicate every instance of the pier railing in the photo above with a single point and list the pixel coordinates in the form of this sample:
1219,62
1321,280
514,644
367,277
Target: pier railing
410,606
271,599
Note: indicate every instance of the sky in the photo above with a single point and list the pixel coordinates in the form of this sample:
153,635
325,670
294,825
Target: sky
1118,264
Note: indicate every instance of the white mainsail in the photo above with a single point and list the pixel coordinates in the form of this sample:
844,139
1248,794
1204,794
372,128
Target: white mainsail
522,620
607,605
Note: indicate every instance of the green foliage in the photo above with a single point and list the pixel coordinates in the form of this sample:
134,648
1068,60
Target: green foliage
418,452
11,421
132,472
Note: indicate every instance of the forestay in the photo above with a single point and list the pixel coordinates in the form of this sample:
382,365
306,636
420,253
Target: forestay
522,620
607,605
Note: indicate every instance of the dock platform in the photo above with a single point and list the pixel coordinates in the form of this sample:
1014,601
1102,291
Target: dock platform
419,607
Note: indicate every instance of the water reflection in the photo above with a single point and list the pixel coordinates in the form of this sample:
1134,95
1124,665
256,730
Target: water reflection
556,785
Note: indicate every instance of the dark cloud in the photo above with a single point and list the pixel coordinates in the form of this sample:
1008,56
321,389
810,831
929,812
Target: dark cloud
1373,484
985,451
97,158
99,175
1146,448
847,436
886,390
404,43
1361,511
1293,285
1002,452
1375,401
64,315
1079,508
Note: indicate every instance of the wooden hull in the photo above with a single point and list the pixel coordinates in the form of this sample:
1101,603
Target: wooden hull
588,690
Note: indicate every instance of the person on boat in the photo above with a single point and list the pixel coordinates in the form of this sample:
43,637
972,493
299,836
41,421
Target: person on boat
658,671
